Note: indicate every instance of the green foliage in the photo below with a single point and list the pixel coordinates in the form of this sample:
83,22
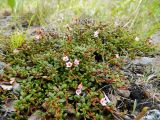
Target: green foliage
16,40
141,16
12,4
48,84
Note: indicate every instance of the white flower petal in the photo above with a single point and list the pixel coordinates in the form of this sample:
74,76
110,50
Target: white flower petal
68,64
107,99
80,86
66,58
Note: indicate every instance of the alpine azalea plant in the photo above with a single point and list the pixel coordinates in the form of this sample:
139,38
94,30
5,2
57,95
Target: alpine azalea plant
69,80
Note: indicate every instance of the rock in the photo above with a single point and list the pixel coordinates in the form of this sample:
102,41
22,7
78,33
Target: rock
9,106
143,61
137,92
158,106
152,115
5,24
35,116
127,117
124,93
25,24
156,64
6,13
155,39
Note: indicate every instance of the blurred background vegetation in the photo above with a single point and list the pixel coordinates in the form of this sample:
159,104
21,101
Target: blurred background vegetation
142,16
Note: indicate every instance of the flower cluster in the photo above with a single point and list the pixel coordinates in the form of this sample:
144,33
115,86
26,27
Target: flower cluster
68,63
79,89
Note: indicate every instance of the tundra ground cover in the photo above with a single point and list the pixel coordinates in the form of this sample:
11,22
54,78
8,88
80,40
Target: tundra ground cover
51,70
75,71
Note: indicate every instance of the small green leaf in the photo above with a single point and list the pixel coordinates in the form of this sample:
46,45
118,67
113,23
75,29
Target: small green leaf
64,86
62,100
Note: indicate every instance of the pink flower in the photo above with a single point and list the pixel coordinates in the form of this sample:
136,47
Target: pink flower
37,37
76,62
103,102
150,41
80,86
96,33
117,55
65,58
78,91
68,64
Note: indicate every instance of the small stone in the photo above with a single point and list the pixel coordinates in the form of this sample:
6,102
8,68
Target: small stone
6,13
127,117
124,93
25,24
156,64
155,39
152,115
158,106
9,106
143,61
